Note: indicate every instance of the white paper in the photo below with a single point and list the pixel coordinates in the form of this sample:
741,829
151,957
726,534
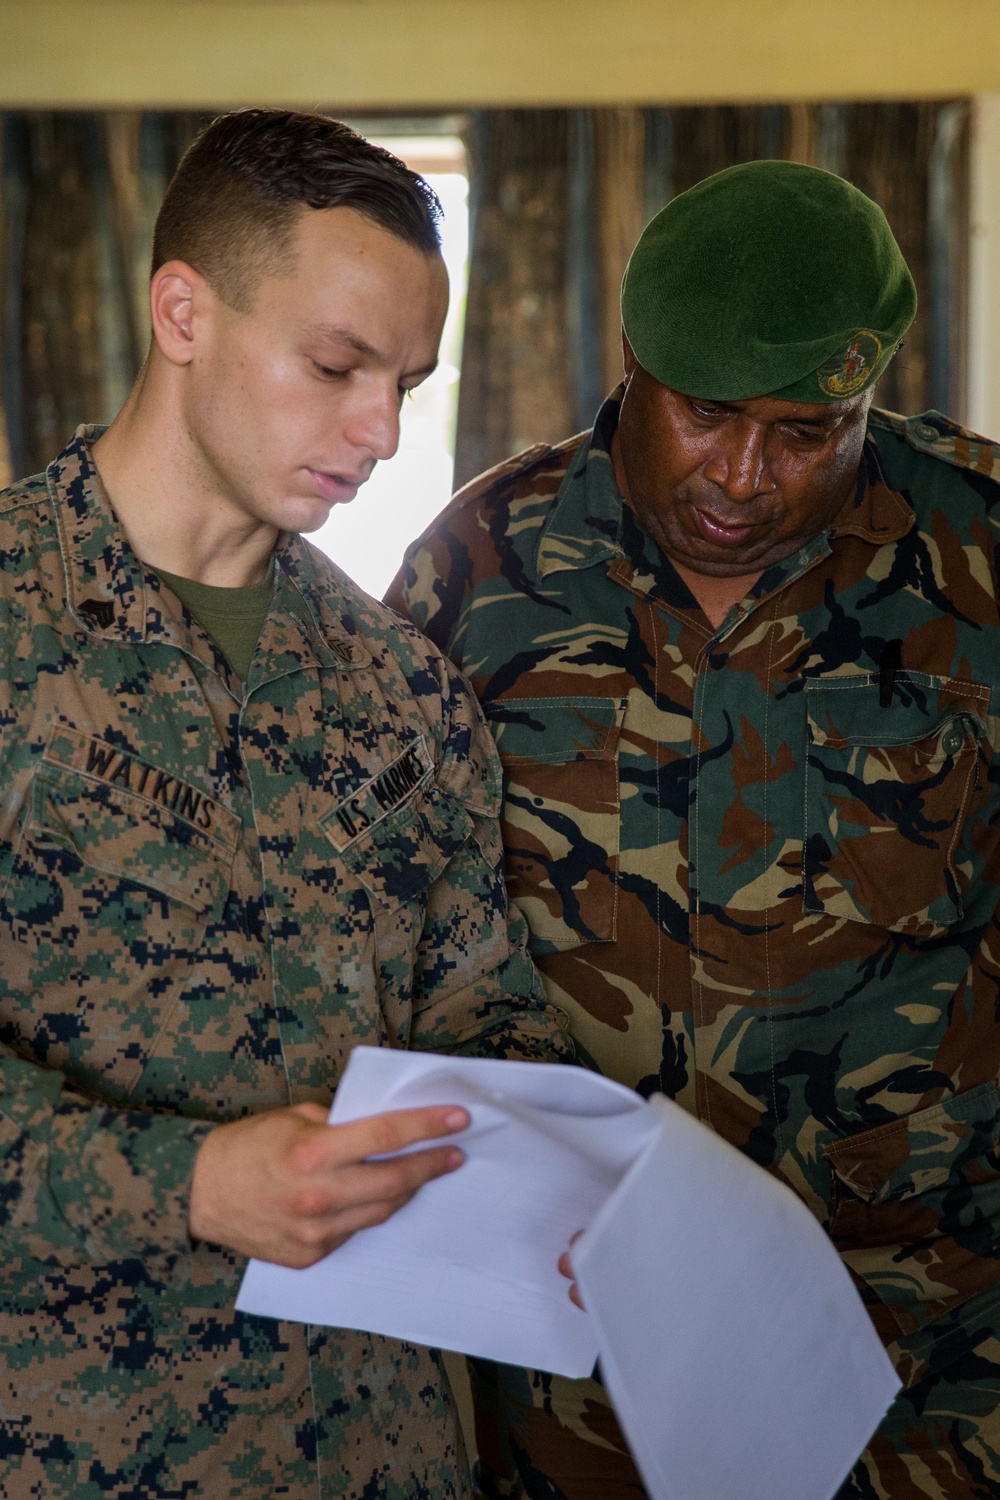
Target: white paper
739,1357
470,1263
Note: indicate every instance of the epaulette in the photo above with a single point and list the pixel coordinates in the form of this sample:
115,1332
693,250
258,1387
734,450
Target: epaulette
938,435
513,468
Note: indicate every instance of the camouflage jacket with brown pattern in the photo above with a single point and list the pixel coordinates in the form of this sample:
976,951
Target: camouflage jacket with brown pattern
210,892
761,864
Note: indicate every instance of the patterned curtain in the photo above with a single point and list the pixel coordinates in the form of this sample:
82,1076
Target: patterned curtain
558,198
79,195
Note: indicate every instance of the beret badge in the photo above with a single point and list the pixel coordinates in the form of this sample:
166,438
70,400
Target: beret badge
850,371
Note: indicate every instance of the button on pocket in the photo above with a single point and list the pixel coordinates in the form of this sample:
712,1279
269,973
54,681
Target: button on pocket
889,793
561,814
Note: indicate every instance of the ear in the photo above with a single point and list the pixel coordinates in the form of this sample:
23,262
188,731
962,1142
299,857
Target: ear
177,295
628,356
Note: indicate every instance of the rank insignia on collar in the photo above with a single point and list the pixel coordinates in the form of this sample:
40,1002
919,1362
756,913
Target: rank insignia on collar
846,373
99,612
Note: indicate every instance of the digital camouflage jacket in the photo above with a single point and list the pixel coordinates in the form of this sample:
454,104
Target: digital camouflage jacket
209,894
761,864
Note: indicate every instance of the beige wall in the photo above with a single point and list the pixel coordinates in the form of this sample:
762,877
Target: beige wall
984,268
365,54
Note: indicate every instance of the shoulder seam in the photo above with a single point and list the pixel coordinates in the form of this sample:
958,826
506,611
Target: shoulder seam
535,457
939,437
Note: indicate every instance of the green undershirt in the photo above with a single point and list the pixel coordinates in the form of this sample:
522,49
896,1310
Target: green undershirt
234,618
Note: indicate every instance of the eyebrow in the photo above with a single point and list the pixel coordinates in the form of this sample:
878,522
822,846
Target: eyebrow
354,340
818,422
345,336
812,421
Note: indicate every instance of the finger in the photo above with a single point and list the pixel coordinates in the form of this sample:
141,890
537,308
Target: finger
401,1177
574,1296
319,1195
565,1262
318,1239
381,1135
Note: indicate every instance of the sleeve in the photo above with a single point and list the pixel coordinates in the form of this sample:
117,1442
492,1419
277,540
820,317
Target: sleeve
80,1180
432,585
475,990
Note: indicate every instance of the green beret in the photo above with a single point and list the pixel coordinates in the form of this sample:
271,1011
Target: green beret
768,279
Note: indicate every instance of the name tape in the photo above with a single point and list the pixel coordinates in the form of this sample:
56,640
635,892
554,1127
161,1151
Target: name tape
380,796
78,752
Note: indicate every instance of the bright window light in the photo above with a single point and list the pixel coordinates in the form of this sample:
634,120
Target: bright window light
367,538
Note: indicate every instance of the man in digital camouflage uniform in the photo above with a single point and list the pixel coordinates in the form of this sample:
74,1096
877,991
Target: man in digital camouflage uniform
248,821
738,646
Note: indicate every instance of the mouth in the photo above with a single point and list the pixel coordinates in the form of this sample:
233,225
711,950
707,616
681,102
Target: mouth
720,532
338,489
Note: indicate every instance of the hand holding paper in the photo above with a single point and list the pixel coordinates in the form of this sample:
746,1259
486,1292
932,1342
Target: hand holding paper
283,1186
471,1262
709,1287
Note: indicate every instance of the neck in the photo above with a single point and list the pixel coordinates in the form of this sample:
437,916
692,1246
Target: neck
170,501
716,596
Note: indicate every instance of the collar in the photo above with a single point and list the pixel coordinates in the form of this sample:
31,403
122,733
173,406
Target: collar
319,598
105,582
111,595
877,512
585,524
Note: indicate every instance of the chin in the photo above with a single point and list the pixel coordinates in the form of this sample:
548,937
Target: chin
301,515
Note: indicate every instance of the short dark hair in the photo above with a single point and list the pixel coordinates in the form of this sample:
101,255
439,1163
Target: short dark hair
231,206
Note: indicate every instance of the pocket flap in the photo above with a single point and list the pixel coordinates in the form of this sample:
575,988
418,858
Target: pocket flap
122,833
918,1152
554,730
847,710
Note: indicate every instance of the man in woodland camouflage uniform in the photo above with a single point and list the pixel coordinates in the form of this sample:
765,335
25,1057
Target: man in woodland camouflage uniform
738,646
248,821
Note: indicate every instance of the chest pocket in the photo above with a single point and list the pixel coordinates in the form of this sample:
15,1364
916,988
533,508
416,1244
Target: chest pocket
128,837
405,851
889,792
916,1207
561,814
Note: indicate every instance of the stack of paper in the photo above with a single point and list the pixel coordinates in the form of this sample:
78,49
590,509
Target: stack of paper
739,1358
470,1262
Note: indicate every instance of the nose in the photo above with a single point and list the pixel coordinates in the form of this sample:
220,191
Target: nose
738,466
373,423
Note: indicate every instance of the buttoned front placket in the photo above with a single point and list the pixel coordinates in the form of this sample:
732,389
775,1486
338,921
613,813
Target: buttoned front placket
741,686
736,740
747,808
298,753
